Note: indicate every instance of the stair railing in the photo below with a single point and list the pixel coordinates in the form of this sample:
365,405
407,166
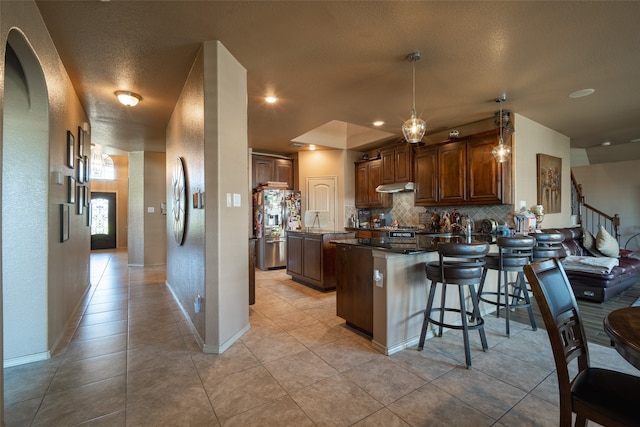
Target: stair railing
589,217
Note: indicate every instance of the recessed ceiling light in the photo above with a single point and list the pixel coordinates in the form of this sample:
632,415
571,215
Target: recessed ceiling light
271,99
378,123
581,93
297,144
130,99
312,147
606,143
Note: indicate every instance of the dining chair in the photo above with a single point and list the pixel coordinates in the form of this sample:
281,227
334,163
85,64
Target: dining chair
607,397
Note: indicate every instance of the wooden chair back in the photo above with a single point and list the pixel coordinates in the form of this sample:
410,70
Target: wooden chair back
561,316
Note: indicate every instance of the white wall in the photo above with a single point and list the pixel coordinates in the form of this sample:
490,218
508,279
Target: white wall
529,139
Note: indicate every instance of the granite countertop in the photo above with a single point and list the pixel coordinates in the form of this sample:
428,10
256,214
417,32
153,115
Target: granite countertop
423,243
310,230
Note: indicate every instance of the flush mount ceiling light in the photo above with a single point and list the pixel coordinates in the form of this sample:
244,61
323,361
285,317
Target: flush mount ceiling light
378,123
501,152
414,128
130,99
581,93
271,99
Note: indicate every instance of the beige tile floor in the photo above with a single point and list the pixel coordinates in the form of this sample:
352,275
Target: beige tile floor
130,359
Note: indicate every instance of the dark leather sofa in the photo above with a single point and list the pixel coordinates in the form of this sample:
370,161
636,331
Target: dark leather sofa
591,286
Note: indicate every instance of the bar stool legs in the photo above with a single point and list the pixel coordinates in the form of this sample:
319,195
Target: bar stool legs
514,253
465,315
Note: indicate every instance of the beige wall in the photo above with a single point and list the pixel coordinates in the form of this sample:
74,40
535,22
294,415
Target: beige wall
147,226
614,188
208,130
529,139
326,163
67,262
120,186
155,223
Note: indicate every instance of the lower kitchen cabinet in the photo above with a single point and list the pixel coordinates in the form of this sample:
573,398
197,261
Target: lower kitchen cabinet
311,258
354,287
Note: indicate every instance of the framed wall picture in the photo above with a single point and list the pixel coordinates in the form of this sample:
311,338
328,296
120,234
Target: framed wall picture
71,189
86,169
80,199
70,149
80,171
87,196
80,142
89,214
549,183
64,222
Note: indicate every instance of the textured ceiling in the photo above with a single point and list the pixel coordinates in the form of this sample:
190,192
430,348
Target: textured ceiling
343,64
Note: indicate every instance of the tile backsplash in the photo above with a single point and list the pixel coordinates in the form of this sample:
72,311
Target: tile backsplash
407,214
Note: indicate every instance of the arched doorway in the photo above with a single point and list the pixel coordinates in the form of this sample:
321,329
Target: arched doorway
25,208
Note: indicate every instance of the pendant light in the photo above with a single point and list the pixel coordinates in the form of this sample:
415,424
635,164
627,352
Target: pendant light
501,152
414,128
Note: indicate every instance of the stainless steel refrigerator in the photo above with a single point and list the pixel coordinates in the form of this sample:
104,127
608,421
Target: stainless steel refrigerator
274,213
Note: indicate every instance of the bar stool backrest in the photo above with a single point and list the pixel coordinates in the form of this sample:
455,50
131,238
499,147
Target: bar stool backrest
548,245
512,249
462,263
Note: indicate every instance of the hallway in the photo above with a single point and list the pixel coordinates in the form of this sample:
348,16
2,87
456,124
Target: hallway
130,359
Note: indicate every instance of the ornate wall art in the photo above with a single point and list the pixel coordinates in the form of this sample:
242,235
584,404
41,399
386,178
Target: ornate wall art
549,183
179,207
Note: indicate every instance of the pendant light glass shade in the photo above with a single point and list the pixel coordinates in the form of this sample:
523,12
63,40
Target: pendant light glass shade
414,128
501,152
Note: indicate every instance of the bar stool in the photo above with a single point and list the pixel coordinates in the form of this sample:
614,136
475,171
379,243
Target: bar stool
459,264
513,254
548,245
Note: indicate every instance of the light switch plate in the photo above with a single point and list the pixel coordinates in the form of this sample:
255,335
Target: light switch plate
236,200
228,200
151,209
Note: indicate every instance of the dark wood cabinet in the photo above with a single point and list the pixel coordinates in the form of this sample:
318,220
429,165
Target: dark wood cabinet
452,159
485,178
354,287
294,253
271,168
252,271
463,172
397,163
368,177
426,176
311,258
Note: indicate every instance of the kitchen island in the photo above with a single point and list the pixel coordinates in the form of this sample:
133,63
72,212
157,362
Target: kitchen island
387,283
311,257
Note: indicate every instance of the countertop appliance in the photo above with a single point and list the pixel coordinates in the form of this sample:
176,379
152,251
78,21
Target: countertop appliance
275,212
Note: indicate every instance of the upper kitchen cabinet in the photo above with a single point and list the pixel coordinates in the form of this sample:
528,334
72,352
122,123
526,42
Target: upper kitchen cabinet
271,168
440,172
397,163
463,172
488,181
368,177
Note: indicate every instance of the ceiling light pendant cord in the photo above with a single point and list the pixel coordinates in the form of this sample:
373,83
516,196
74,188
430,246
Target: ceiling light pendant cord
414,128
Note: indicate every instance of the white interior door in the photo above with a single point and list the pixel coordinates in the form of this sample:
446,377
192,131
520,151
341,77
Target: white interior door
321,199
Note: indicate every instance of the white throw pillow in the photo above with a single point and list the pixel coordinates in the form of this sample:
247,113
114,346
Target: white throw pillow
607,244
589,243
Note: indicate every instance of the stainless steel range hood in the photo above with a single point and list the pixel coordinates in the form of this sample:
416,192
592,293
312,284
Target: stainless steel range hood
395,188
